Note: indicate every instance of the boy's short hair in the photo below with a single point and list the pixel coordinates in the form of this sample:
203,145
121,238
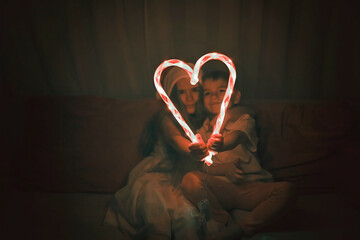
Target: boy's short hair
215,75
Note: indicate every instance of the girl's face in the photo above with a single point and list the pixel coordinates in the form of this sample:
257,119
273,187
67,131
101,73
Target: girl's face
188,94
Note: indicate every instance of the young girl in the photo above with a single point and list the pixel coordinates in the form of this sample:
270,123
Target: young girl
236,179
151,205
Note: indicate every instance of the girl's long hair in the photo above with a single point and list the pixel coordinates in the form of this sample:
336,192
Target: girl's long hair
194,120
150,135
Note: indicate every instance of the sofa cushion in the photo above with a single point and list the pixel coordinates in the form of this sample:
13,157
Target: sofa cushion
80,216
58,216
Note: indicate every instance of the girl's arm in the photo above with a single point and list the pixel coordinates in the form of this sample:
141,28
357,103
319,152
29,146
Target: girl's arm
173,136
182,144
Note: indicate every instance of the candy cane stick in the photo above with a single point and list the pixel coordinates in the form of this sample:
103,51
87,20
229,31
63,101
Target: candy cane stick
194,75
166,99
228,93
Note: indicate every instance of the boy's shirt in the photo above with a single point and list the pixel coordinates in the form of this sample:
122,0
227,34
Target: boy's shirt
245,153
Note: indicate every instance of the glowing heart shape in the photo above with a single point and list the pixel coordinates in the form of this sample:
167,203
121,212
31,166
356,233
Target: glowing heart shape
194,76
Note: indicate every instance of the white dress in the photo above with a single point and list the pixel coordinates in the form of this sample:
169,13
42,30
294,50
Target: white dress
150,204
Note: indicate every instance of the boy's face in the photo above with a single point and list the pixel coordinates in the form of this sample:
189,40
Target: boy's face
214,91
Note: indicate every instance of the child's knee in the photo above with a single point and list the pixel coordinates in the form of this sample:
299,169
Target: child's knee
191,183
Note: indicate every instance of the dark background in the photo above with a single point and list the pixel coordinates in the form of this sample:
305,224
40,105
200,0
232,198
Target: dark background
292,50
97,50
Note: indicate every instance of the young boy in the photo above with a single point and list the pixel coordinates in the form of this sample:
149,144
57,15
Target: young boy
235,180
237,144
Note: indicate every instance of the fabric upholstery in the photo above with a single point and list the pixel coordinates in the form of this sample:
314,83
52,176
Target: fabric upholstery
89,144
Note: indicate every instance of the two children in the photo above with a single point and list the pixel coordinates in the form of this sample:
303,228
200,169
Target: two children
235,180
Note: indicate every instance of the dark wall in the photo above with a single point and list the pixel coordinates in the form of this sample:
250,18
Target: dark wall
282,49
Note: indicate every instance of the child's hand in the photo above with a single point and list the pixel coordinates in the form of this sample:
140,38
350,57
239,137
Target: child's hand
215,142
198,149
232,172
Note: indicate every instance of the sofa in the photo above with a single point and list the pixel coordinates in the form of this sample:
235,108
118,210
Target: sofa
65,156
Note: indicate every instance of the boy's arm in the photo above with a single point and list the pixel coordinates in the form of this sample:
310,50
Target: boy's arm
229,170
220,143
233,139
217,170
233,114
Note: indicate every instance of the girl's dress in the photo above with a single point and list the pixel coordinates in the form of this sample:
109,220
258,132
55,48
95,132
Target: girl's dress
150,204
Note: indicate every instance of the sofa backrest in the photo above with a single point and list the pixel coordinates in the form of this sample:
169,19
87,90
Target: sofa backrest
76,144
90,144
307,143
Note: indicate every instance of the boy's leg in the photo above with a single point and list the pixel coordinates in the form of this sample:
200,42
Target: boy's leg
265,201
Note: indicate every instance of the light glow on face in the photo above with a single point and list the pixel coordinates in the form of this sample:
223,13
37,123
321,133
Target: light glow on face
188,94
214,91
194,74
